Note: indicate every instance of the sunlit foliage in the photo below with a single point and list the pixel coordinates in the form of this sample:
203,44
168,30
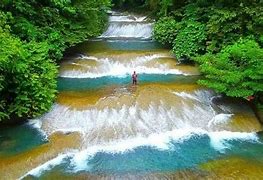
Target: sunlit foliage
237,70
210,32
34,35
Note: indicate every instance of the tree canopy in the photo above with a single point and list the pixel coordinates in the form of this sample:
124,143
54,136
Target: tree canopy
224,36
34,35
237,70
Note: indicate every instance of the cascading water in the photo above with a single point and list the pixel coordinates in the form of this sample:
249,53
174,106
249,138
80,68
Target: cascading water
164,128
128,27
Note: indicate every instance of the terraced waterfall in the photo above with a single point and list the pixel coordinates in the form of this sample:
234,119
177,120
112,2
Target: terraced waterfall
102,127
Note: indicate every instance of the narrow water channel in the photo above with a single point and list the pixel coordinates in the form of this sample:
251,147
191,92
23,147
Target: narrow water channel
103,127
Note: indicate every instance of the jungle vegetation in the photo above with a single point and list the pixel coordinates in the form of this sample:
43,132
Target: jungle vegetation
33,36
224,36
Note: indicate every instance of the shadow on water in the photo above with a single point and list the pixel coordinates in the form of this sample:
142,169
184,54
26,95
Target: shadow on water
18,139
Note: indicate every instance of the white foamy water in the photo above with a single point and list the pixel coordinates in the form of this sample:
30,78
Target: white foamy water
100,125
220,119
111,67
219,139
131,26
128,30
120,130
186,95
37,124
130,18
88,57
161,141
36,172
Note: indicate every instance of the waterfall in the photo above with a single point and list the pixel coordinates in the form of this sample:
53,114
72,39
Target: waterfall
128,27
165,124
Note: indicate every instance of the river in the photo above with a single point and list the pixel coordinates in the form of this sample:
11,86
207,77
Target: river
103,127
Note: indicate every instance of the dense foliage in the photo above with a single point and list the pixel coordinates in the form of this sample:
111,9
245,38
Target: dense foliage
190,39
166,30
127,4
154,7
33,36
237,70
210,32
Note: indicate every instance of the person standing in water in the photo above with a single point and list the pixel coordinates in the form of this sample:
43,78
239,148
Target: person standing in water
134,78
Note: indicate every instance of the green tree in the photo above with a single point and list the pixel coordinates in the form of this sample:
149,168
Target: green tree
221,22
237,70
27,82
34,35
165,4
190,40
165,30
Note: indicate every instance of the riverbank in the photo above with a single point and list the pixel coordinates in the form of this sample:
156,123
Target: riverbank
259,113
